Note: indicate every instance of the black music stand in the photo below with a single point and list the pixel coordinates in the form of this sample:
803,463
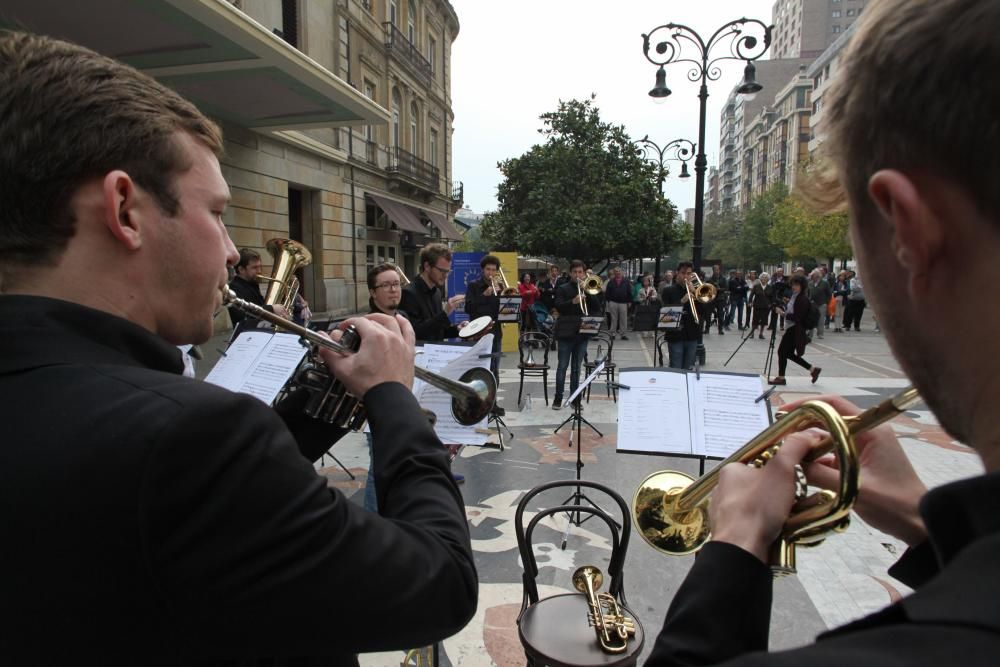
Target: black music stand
770,351
749,335
577,420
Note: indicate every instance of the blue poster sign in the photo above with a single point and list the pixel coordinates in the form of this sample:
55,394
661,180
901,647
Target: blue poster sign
464,269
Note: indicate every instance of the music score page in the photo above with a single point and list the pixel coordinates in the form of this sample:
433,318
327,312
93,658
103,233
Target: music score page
258,363
674,412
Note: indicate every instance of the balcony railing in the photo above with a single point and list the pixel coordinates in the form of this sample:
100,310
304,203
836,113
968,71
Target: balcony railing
458,192
397,43
409,165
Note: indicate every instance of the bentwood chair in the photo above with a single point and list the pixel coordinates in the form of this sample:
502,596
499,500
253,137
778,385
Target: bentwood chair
605,347
555,631
533,361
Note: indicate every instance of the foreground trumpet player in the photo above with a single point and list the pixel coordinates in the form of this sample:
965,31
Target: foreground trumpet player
919,176
150,518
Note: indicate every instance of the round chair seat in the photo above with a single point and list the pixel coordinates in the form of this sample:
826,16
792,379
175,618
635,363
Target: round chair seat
554,631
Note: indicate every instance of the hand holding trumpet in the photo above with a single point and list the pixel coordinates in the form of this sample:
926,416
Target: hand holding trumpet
750,505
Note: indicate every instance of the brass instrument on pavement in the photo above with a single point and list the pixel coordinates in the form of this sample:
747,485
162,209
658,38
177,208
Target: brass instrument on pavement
605,615
670,509
473,394
289,256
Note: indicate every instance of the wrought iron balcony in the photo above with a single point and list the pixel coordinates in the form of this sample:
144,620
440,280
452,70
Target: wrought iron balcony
407,164
396,43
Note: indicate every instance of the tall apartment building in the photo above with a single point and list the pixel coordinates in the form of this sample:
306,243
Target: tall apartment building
805,28
736,119
337,117
822,73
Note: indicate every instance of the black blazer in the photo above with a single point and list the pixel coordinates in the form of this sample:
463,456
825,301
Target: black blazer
423,305
154,519
568,324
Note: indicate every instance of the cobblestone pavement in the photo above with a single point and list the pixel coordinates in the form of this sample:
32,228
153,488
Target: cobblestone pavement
838,581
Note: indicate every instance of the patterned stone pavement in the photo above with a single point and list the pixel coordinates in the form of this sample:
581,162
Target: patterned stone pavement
839,580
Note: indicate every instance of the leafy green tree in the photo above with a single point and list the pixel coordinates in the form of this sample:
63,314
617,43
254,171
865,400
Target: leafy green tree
587,192
806,234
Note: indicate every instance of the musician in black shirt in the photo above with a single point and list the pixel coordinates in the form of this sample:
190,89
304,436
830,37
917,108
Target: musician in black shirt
422,298
482,298
245,284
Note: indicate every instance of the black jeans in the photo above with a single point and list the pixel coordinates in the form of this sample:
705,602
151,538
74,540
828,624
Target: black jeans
852,313
786,352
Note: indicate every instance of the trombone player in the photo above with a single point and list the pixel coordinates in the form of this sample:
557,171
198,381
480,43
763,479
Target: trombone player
199,531
572,302
682,342
914,215
482,297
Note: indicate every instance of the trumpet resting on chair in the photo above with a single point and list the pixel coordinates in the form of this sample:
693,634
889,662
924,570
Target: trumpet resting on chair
612,626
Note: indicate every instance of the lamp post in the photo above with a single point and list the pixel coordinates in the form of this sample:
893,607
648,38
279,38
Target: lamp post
678,150
744,43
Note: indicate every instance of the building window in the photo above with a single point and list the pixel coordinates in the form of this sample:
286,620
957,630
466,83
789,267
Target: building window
434,148
836,13
431,50
394,13
411,23
395,117
850,12
836,29
414,145
370,94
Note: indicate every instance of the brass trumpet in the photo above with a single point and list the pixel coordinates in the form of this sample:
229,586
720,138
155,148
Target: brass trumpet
699,291
604,613
501,287
473,394
592,286
670,509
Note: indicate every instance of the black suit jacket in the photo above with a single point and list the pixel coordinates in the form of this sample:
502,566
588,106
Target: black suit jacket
248,291
423,305
153,519
568,324
721,612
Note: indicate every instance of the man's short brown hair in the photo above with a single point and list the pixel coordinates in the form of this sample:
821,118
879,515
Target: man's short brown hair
247,255
911,97
432,252
68,115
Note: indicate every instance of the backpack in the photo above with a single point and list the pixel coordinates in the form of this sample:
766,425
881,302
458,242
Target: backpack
811,320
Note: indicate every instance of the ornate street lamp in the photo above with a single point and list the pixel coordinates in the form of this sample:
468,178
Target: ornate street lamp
678,150
747,40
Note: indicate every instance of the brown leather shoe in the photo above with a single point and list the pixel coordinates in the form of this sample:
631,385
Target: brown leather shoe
816,370
777,380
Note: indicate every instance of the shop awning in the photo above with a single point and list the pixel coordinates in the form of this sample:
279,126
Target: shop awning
230,66
406,217
447,227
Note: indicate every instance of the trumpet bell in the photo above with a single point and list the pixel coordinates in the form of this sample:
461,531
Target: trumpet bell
659,522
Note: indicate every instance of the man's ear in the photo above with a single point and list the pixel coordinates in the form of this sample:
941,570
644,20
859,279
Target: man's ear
123,211
917,231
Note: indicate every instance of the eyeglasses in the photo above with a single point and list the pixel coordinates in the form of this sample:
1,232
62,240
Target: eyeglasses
444,272
395,285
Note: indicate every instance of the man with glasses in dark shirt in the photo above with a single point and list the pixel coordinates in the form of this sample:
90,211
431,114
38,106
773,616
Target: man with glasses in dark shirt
422,298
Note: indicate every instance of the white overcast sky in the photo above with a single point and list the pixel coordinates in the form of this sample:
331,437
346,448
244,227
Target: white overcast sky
514,60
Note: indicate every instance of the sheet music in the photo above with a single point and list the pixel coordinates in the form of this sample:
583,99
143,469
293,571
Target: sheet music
258,363
724,416
451,361
677,412
653,414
